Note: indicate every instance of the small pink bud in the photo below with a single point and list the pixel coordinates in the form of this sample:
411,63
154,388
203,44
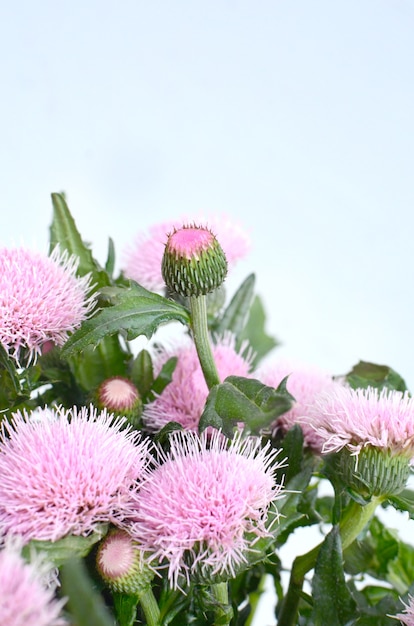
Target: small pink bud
122,564
118,395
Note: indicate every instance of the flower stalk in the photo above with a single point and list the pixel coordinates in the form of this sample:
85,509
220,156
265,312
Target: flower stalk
199,327
224,612
149,606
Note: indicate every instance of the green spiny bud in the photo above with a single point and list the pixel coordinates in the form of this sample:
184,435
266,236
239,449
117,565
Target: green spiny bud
194,263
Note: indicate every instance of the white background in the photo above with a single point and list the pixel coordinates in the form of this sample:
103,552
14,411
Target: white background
293,116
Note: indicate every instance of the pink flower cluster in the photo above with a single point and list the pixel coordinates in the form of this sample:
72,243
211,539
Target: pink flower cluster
27,596
41,300
65,471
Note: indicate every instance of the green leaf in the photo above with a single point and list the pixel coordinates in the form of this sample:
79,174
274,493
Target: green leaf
10,367
164,377
235,315
403,501
63,231
125,606
85,604
254,332
141,372
333,602
136,312
366,374
246,400
110,260
71,546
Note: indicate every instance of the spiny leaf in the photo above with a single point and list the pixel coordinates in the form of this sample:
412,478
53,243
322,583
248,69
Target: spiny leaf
333,602
136,312
63,232
246,400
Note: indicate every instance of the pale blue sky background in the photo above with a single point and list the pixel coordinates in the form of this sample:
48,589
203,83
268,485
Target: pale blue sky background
295,116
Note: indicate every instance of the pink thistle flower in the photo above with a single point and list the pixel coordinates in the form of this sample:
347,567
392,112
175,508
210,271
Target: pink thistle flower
183,399
206,503
407,616
304,382
356,418
65,471
41,300
27,598
144,257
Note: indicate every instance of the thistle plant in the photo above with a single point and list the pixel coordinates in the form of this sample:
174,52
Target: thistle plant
160,485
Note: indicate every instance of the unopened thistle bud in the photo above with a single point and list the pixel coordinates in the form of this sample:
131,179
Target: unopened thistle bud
120,396
194,263
122,564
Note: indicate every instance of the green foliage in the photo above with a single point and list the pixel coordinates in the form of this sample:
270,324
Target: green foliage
329,585
244,400
365,374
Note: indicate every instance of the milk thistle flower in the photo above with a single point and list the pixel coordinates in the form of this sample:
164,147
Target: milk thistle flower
27,595
304,382
183,399
203,506
42,300
144,257
375,428
65,471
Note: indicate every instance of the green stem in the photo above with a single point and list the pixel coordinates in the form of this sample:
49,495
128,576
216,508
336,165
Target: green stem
224,612
254,598
354,520
198,309
150,607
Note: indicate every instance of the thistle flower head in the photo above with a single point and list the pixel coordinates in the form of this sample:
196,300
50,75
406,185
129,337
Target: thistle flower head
65,471
356,418
122,564
206,503
143,258
304,382
373,433
41,300
27,591
193,263
183,399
